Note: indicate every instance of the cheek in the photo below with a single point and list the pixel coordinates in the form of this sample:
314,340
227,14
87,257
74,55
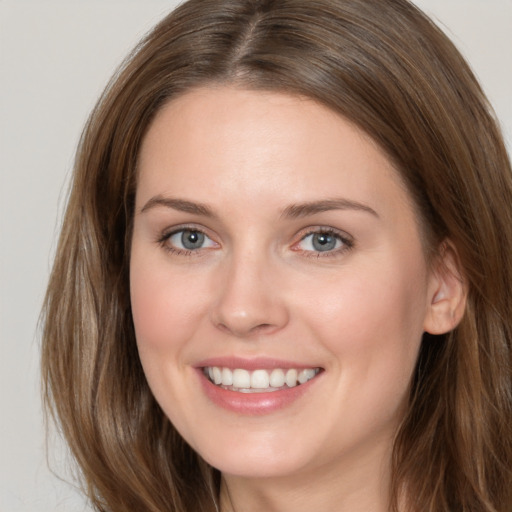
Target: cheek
164,311
372,315
373,331
161,305
148,299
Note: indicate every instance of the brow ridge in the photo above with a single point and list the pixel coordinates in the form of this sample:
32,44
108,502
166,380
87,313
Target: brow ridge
311,208
181,205
293,211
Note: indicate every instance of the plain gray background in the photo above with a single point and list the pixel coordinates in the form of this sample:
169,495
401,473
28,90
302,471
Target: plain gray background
55,58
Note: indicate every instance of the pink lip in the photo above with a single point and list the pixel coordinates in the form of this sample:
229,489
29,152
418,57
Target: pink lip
256,363
253,404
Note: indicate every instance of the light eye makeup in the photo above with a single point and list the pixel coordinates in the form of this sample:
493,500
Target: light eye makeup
314,241
186,240
324,242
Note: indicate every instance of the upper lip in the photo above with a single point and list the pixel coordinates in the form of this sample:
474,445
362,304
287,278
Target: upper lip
251,364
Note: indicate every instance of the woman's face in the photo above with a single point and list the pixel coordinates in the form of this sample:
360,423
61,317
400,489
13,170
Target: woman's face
276,252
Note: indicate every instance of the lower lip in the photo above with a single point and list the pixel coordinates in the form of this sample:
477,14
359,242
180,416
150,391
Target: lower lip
253,404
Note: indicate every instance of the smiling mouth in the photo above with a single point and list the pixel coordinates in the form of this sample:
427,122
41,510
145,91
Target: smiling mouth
258,381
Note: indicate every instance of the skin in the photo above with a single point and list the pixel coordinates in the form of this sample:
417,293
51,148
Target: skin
258,287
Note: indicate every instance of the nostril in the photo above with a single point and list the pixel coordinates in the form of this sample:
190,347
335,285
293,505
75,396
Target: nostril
263,328
243,331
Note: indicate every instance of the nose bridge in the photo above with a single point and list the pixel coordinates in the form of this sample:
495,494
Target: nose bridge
248,300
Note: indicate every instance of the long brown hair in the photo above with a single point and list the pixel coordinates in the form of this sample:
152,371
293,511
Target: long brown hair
386,67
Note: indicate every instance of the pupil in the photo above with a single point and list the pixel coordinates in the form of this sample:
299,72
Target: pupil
192,239
324,242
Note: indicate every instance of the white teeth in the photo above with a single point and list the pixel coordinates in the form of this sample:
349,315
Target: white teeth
306,375
217,375
260,379
277,379
227,377
241,378
291,378
244,381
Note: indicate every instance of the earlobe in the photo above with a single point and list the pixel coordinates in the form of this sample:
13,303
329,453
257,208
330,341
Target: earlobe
447,292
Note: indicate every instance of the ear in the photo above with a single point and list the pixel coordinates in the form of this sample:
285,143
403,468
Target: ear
447,291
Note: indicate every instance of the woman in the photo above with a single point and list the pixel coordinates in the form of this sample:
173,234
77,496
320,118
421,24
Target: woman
283,279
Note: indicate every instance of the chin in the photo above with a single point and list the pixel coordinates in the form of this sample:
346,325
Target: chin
253,459
256,467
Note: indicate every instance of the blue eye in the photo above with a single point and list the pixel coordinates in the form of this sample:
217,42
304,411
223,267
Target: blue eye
323,241
189,240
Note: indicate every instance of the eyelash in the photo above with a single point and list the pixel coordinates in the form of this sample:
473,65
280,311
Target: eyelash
346,241
163,241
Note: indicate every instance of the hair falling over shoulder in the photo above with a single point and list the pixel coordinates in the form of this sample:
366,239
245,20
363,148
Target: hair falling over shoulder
383,65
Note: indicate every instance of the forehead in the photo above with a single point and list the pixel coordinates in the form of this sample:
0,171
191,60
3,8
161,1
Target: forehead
227,142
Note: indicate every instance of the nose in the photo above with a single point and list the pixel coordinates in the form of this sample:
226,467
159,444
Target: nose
250,301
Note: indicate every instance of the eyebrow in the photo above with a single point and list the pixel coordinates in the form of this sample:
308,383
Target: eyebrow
181,205
294,211
300,210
